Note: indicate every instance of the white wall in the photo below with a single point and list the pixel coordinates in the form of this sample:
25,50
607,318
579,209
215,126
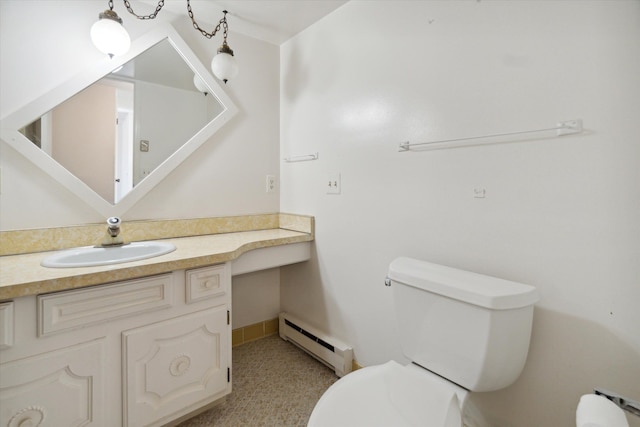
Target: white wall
44,43
559,213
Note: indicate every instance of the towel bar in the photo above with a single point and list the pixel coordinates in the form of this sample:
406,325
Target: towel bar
562,128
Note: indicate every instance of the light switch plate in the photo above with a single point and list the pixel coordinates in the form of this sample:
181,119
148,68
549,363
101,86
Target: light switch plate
333,183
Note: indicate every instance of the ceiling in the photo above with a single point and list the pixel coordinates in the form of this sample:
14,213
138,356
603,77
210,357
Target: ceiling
274,21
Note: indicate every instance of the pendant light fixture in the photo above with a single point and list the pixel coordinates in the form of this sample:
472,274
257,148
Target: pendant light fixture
223,65
108,34
110,37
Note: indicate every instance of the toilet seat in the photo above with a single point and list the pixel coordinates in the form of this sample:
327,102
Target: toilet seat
389,395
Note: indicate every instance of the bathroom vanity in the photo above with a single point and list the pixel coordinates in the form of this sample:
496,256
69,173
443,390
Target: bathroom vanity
151,349
135,344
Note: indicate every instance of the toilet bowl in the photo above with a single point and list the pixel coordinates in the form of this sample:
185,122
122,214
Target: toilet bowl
462,331
390,395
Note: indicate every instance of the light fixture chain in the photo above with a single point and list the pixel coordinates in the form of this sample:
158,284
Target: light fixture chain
114,40
150,16
223,23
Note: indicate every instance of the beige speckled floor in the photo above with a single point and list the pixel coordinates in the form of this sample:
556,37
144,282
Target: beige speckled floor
275,384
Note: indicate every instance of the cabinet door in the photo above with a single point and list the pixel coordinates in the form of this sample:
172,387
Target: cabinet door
175,366
57,388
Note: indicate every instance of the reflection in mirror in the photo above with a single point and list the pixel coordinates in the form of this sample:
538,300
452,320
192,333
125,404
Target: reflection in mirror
160,122
115,132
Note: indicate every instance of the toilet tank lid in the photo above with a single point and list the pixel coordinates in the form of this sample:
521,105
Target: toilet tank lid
473,288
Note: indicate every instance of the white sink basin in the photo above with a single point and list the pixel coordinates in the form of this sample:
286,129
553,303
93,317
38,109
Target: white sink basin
89,256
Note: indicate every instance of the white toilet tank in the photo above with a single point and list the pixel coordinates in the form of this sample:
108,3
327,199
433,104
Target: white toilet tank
472,329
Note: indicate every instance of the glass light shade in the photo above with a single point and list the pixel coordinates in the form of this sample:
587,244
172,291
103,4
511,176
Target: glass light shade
224,66
110,37
199,84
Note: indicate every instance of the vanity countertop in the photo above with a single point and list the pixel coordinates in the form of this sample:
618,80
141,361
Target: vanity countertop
22,275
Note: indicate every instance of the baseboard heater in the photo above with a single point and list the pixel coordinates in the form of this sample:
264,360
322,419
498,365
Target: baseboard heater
328,350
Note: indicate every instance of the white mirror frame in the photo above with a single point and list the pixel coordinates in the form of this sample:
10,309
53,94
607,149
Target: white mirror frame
10,125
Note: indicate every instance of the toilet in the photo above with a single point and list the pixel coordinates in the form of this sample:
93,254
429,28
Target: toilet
463,332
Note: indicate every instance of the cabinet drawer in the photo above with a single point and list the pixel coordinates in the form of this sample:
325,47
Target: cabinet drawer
172,367
6,325
207,282
67,310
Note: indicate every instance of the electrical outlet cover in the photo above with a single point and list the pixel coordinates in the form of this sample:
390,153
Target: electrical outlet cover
271,184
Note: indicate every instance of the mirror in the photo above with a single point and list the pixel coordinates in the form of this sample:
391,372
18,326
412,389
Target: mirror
113,132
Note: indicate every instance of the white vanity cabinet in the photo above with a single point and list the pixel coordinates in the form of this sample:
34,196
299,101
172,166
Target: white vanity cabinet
57,388
137,353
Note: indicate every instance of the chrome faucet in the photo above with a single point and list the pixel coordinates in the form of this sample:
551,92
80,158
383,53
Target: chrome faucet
113,226
112,237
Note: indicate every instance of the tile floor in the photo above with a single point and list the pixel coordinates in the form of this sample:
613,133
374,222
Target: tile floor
275,384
